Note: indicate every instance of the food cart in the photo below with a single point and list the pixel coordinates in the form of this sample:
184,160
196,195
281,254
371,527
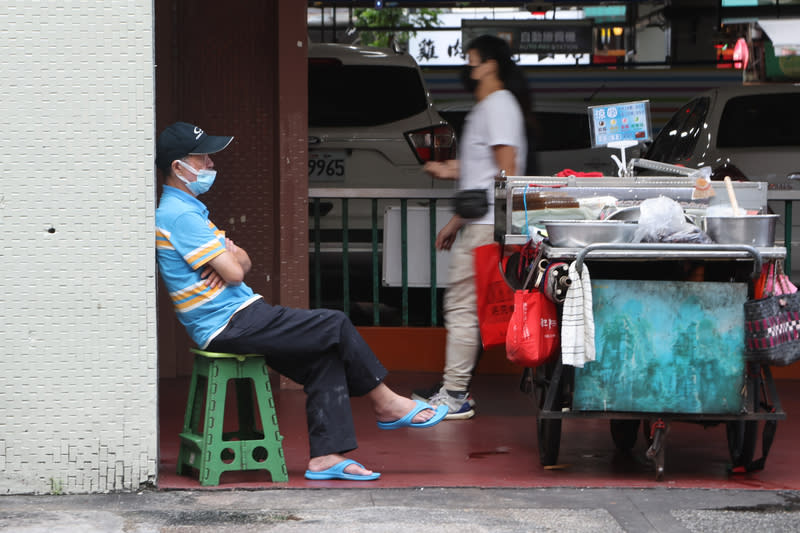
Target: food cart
668,317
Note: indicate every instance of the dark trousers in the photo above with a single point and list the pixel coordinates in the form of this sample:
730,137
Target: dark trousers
321,350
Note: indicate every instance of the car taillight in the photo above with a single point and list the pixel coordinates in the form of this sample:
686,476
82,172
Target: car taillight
434,143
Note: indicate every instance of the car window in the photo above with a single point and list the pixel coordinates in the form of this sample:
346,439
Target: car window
677,139
362,95
561,131
549,130
760,120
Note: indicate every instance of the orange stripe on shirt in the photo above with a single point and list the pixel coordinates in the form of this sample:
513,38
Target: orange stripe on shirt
218,232
194,296
162,240
212,246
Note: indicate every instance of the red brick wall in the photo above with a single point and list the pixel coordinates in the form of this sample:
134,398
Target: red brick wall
235,68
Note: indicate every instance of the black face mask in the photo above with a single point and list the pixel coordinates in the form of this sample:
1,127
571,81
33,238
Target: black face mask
466,79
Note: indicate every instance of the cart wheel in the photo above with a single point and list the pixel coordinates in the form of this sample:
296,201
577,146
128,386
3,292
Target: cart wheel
624,433
742,435
548,431
742,438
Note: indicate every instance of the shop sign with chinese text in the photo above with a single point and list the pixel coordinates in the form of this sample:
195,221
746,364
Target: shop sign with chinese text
535,36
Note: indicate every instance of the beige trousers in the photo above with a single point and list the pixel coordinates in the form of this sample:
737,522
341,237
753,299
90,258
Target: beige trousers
460,307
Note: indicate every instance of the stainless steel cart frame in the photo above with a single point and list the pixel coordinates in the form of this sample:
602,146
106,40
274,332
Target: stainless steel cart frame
552,385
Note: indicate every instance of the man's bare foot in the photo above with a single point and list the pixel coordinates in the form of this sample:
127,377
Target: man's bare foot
399,407
324,462
390,406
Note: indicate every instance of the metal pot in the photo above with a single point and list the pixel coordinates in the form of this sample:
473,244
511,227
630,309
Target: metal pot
580,233
755,230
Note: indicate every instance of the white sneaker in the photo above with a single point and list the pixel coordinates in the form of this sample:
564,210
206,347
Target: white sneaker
458,404
424,395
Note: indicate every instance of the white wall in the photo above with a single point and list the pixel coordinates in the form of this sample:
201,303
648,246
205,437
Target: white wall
77,271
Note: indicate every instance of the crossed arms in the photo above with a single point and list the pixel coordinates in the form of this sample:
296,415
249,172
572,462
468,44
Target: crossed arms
229,267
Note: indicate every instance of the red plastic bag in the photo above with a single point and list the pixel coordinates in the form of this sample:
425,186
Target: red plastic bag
569,172
495,297
533,335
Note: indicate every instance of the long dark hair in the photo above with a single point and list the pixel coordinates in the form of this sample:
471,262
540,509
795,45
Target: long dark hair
491,47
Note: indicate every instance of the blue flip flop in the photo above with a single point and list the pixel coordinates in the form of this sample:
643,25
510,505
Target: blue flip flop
337,472
406,421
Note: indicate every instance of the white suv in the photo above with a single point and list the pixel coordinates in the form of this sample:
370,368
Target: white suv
371,121
371,124
749,132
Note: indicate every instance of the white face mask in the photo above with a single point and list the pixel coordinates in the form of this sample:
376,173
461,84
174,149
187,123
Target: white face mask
205,179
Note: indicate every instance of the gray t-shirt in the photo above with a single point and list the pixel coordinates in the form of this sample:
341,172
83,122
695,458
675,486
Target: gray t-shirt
495,120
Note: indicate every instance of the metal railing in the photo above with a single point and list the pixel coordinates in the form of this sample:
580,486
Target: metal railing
375,198
787,197
345,197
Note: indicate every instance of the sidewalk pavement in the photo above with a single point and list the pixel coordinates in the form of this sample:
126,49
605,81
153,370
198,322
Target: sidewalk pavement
443,510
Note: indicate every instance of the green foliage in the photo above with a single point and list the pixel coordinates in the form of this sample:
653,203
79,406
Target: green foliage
56,487
393,24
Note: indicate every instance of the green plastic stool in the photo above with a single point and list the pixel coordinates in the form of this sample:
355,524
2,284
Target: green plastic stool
209,450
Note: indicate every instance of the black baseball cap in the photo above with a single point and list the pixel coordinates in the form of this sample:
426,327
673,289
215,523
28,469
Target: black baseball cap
181,139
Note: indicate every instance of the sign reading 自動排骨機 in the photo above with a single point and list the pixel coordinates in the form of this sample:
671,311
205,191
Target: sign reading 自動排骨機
535,36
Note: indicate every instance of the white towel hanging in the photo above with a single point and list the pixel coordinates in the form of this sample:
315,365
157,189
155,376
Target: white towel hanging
577,320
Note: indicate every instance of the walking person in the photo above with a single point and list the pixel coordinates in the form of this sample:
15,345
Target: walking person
494,140
204,273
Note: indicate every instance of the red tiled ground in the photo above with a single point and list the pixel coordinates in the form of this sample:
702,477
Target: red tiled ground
497,448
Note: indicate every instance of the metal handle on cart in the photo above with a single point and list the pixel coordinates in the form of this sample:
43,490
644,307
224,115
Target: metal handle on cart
667,247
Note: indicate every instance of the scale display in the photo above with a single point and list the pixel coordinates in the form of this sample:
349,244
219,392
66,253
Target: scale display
623,124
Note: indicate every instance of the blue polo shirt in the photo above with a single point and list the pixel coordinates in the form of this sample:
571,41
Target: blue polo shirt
186,240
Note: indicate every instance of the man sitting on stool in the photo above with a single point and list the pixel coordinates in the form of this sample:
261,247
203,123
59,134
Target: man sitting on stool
320,348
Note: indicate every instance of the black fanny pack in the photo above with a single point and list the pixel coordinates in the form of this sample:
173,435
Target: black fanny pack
471,203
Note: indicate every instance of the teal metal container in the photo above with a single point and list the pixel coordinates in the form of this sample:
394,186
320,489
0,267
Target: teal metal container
665,347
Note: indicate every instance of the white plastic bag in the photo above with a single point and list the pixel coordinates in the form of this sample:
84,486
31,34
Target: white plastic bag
662,219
